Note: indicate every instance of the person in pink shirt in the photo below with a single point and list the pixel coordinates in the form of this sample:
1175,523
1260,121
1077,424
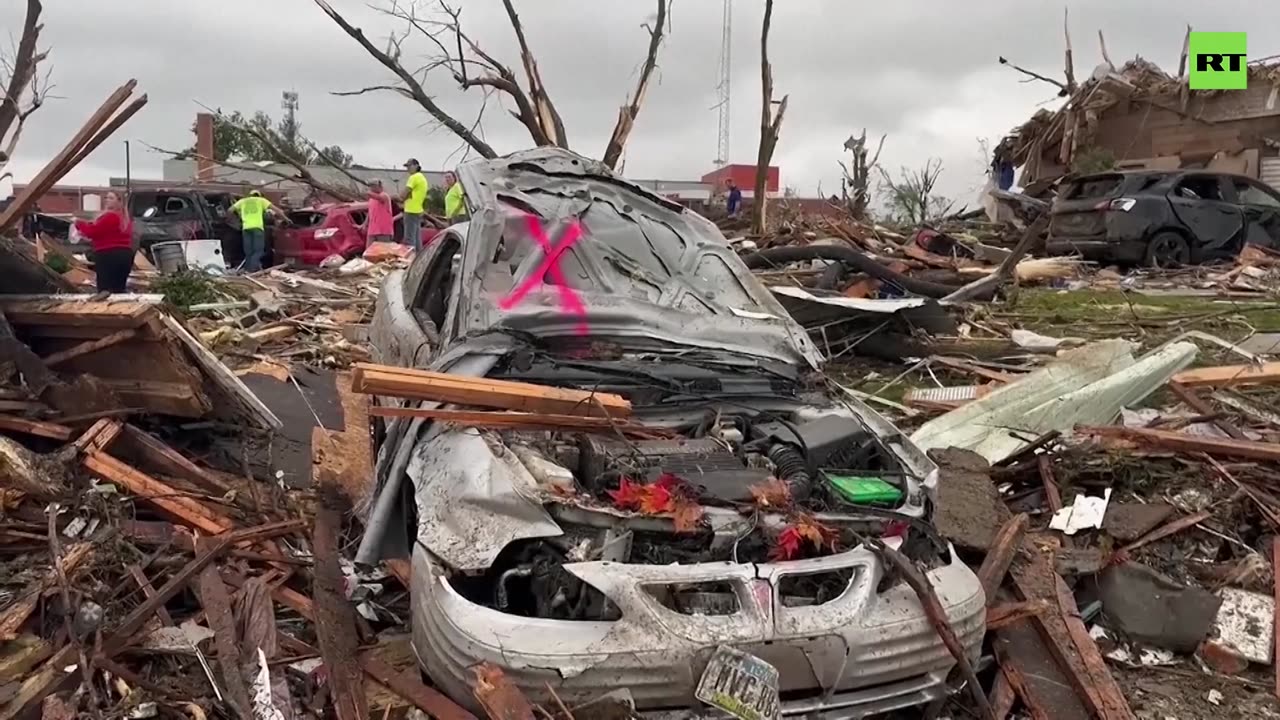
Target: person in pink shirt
381,226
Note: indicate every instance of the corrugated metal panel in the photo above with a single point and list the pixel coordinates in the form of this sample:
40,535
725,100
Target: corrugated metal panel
1269,171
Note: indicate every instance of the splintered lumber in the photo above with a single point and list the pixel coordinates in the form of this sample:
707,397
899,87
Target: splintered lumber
1173,528
335,619
101,314
1181,442
484,392
217,610
1229,375
1067,639
170,501
504,420
1000,555
35,427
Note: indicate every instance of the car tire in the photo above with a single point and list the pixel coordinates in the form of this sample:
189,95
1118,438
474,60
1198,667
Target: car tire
1168,250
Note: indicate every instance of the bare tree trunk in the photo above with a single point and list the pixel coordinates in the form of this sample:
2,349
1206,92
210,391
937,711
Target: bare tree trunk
627,114
770,124
1070,68
411,85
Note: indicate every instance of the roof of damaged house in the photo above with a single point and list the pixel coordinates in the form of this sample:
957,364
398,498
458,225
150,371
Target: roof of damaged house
1137,80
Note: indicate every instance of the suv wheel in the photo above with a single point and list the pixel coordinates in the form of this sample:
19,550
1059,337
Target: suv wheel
1168,250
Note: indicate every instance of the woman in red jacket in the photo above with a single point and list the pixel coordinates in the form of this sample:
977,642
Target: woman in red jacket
111,237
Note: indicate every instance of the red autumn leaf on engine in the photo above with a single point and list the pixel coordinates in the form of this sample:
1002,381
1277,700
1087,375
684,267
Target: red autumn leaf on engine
804,537
649,499
772,493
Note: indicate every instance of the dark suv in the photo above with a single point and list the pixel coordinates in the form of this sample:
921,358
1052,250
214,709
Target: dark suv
1162,218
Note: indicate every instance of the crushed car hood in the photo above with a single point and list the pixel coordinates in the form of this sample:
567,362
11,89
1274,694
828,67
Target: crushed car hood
643,266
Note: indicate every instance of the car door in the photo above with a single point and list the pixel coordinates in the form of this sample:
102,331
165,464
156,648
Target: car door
411,307
1201,202
1261,206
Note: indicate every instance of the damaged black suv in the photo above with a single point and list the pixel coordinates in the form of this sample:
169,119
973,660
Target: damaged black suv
1162,218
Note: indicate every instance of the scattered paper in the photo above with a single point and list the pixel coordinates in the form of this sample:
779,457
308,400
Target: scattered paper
1085,513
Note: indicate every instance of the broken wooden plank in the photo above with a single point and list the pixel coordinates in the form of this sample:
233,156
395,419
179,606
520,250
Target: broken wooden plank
281,332
1229,375
1172,528
49,430
105,316
484,392
1180,442
90,346
335,619
173,503
148,591
172,462
217,611
1000,555
99,435
39,684
999,616
1035,678
971,368
1189,397
506,420
1035,579
1052,496
499,697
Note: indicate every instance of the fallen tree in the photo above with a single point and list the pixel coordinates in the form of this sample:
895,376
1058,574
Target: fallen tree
474,67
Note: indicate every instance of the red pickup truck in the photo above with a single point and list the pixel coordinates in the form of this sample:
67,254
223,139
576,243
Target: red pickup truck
331,229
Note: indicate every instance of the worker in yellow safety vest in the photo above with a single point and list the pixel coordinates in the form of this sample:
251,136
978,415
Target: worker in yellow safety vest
251,210
455,207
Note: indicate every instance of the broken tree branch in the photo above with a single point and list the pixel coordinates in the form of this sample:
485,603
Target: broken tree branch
1056,83
1102,43
544,110
24,67
1070,69
627,113
937,617
411,84
770,124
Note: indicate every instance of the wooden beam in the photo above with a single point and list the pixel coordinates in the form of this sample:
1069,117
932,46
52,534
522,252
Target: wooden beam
1189,397
484,392
104,316
35,427
1181,442
1052,496
171,502
1229,375
90,346
217,611
172,462
1000,555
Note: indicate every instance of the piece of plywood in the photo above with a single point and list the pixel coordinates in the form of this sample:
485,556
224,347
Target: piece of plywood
105,315
484,392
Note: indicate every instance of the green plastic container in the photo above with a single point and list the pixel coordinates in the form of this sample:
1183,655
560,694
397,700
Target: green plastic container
861,490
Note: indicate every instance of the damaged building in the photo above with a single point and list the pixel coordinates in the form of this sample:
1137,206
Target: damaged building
1140,117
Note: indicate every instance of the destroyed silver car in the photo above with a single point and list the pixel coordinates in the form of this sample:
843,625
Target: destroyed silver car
525,555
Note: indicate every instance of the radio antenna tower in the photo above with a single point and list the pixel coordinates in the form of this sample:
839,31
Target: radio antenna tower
722,84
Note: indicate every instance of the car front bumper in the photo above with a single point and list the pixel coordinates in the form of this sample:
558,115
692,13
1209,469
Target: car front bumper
864,652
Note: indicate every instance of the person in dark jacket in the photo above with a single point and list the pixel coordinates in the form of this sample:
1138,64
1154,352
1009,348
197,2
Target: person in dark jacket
111,237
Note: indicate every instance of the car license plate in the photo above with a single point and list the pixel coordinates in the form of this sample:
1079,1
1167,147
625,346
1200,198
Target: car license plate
740,684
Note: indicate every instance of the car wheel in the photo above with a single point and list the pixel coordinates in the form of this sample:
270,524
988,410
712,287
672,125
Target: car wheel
1168,250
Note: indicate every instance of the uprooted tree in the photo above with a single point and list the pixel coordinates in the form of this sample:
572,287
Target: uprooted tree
471,66
24,88
770,125
855,186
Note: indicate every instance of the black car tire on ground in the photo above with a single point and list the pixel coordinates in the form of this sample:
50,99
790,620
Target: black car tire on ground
1168,249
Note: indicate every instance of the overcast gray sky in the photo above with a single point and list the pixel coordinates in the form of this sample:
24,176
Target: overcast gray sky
923,72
